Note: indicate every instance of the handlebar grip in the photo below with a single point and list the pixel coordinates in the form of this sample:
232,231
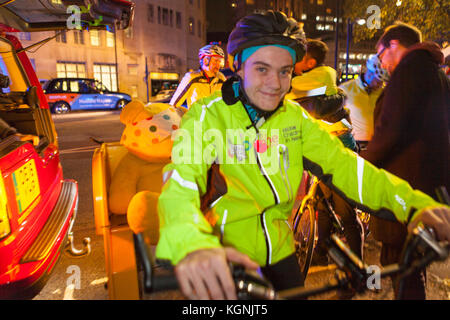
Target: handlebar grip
164,282
152,283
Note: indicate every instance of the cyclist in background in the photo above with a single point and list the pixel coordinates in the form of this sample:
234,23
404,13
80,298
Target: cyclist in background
361,96
203,82
214,210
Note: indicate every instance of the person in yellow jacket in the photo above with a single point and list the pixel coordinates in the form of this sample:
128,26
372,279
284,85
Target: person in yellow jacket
203,82
237,161
361,95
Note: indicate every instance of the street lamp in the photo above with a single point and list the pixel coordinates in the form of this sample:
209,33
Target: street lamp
336,35
350,23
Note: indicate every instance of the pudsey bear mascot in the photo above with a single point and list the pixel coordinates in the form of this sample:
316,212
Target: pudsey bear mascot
137,181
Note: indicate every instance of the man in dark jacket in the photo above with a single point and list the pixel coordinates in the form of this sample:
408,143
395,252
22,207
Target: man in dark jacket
411,137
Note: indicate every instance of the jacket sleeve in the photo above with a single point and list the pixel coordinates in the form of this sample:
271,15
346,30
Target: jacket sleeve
181,94
363,185
183,227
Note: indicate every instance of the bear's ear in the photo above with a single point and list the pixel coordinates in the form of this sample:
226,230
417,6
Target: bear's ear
132,112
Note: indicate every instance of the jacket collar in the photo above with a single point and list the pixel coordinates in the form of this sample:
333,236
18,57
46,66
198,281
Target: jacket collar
431,47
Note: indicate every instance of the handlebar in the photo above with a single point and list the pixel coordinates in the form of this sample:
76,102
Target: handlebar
249,285
152,283
421,249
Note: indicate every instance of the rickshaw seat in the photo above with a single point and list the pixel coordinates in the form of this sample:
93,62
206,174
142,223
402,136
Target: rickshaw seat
120,259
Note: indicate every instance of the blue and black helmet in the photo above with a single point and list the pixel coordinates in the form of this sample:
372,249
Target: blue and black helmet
270,28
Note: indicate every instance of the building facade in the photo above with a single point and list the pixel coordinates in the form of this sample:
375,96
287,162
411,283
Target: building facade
320,19
152,54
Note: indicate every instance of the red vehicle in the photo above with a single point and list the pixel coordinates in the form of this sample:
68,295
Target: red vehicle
37,205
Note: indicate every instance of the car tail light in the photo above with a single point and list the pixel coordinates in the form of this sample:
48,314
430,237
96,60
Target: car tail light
5,228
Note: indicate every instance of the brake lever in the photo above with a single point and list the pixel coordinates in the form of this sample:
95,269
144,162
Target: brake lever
249,285
428,236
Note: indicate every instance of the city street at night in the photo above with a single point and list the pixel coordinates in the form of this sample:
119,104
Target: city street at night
191,150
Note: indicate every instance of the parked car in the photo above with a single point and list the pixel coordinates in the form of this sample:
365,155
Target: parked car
66,94
37,204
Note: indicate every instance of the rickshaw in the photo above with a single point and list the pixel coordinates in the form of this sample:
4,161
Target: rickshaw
37,204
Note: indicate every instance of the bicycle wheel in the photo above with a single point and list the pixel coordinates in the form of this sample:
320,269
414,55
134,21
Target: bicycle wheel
304,236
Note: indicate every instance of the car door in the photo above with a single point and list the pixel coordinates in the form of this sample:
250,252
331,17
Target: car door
106,99
88,94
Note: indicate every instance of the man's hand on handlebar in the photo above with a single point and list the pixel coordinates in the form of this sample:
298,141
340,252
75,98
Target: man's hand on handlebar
436,218
205,274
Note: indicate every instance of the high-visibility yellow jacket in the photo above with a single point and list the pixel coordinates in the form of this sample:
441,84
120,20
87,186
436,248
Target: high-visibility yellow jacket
196,85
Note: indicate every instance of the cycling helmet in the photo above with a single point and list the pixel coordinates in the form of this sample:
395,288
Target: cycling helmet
210,50
373,65
270,28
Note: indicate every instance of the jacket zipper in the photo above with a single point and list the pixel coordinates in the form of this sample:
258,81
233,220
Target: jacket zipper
267,238
272,188
263,215
266,176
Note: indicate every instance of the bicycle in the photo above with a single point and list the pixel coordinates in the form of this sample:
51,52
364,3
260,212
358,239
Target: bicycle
421,249
305,220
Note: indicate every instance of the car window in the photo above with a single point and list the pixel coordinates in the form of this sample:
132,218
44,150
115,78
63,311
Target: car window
74,86
84,86
51,86
58,86
100,86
